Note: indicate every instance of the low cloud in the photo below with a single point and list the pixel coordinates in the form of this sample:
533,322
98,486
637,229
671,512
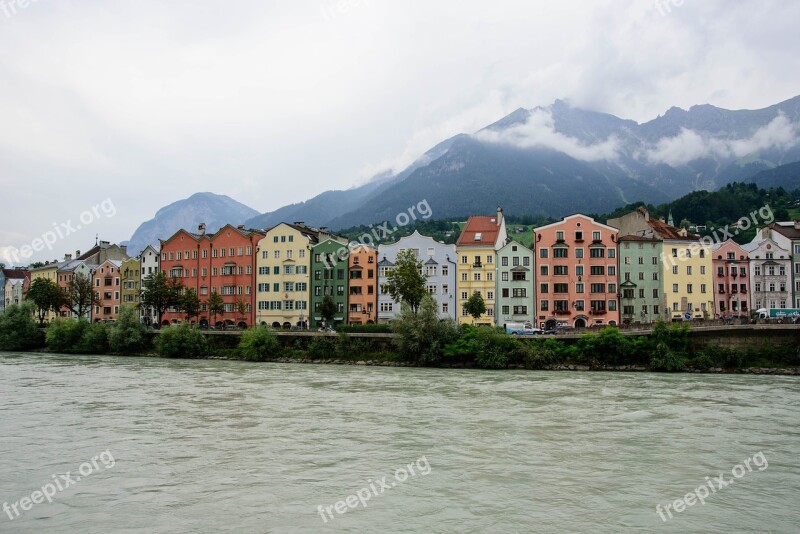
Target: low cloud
689,145
539,131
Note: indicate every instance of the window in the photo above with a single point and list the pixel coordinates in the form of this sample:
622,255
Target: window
504,261
674,288
674,269
627,260
544,270
579,287
490,295
445,270
597,270
504,277
560,252
544,305
464,295
519,292
612,253
560,270
597,252
579,253
612,270
578,236
689,288
597,288
655,293
560,235
596,236
543,253
544,288
688,270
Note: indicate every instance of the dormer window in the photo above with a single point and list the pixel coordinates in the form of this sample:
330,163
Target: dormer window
478,236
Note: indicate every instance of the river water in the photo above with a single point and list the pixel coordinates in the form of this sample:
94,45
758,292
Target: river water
214,446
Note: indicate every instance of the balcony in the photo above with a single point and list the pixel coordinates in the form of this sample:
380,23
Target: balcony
477,265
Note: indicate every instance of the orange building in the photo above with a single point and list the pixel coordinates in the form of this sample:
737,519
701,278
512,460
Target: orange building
107,285
362,301
223,262
576,271
731,268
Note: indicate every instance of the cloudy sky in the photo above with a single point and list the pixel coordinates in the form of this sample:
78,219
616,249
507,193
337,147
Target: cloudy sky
140,103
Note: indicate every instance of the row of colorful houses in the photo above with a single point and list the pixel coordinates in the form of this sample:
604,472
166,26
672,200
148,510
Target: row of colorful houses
579,272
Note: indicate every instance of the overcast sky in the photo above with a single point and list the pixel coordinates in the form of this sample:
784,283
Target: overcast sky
145,102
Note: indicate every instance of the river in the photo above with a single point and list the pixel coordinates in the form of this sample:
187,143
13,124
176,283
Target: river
213,446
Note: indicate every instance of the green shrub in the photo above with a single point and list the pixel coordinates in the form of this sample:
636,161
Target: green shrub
465,347
128,335
321,348
259,343
536,355
94,339
182,341
64,335
665,359
18,330
495,348
423,336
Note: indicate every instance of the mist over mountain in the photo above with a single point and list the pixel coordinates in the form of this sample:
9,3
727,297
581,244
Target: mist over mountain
559,159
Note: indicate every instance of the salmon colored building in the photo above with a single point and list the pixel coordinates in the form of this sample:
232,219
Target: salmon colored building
362,300
731,271
106,281
223,262
576,273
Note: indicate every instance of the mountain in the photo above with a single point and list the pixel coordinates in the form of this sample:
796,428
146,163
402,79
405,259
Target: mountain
785,176
214,210
561,159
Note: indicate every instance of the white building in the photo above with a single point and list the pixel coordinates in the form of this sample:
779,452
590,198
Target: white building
770,272
438,263
148,263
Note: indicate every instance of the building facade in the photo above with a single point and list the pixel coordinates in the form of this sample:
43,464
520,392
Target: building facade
641,285
439,266
362,299
477,248
329,280
223,262
731,267
48,271
284,279
15,284
107,283
576,271
787,235
515,285
148,265
131,282
67,272
770,272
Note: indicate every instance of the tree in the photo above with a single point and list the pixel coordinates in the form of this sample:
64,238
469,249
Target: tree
160,293
259,343
190,303
80,295
181,341
423,336
215,305
17,329
47,296
128,335
241,308
327,308
405,281
475,306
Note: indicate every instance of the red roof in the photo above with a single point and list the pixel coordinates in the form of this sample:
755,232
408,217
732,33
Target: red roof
486,226
666,231
16,273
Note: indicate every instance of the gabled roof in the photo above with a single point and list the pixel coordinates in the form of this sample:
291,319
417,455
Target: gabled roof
786,229
575,216
17,274
666,231
480,231
385,263
431,261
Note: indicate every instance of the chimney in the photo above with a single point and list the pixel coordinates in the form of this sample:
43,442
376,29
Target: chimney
300,223
201,228
124,249
77,254
797,225
67,257
323,232
499,215
662,219
240,227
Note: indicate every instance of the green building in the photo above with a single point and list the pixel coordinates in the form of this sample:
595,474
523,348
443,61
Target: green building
329,277
515,285
641,283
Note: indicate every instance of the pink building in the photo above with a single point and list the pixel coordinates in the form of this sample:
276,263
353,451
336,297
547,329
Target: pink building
106,283
576,272
731,266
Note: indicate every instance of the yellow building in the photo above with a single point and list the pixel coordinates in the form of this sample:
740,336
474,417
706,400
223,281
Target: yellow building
688,280
685,265
282,274
477,248
131,282
48,271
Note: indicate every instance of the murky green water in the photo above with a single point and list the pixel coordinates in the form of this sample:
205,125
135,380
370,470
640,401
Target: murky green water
210,446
